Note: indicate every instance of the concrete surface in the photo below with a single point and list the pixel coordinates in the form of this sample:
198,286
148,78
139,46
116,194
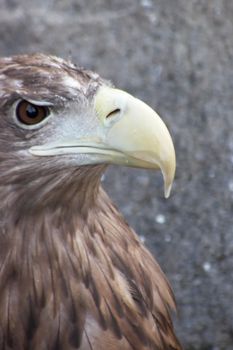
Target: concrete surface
177,56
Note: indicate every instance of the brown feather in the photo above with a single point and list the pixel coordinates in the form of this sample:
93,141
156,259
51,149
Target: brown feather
73,274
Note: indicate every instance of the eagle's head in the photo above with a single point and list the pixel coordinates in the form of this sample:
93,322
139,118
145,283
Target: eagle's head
60,122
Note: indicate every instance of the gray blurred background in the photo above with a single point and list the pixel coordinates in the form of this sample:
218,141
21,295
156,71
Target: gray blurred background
177,56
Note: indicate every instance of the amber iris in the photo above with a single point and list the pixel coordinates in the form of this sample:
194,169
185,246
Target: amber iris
30,114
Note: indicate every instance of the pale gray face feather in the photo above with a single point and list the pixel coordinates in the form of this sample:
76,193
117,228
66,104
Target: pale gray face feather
42,80
66,92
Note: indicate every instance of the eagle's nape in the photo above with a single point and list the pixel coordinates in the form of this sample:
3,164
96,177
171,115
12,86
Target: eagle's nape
73,275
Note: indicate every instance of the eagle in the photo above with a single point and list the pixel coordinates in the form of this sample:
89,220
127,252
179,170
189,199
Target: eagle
73,274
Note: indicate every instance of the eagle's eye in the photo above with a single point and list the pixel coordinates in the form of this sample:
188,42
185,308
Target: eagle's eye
30,114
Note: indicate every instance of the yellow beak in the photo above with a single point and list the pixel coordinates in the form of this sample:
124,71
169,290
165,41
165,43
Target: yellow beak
123,130
136,131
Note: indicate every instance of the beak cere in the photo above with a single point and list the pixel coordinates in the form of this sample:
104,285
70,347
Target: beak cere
129,133
138,133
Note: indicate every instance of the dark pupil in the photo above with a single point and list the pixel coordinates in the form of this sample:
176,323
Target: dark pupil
32,111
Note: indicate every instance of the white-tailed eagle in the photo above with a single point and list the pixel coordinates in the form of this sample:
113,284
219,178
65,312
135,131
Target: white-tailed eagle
73,274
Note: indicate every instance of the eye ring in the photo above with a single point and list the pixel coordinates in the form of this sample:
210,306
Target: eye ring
30,114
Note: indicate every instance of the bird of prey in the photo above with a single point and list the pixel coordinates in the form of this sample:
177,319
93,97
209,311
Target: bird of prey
73,274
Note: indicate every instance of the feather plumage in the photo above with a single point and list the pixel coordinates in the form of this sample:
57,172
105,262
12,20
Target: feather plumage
73,274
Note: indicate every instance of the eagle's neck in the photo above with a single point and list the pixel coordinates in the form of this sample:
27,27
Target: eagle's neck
72,260
32,192
42,220
50,269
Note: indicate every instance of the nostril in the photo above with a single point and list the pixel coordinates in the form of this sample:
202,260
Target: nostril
113,113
